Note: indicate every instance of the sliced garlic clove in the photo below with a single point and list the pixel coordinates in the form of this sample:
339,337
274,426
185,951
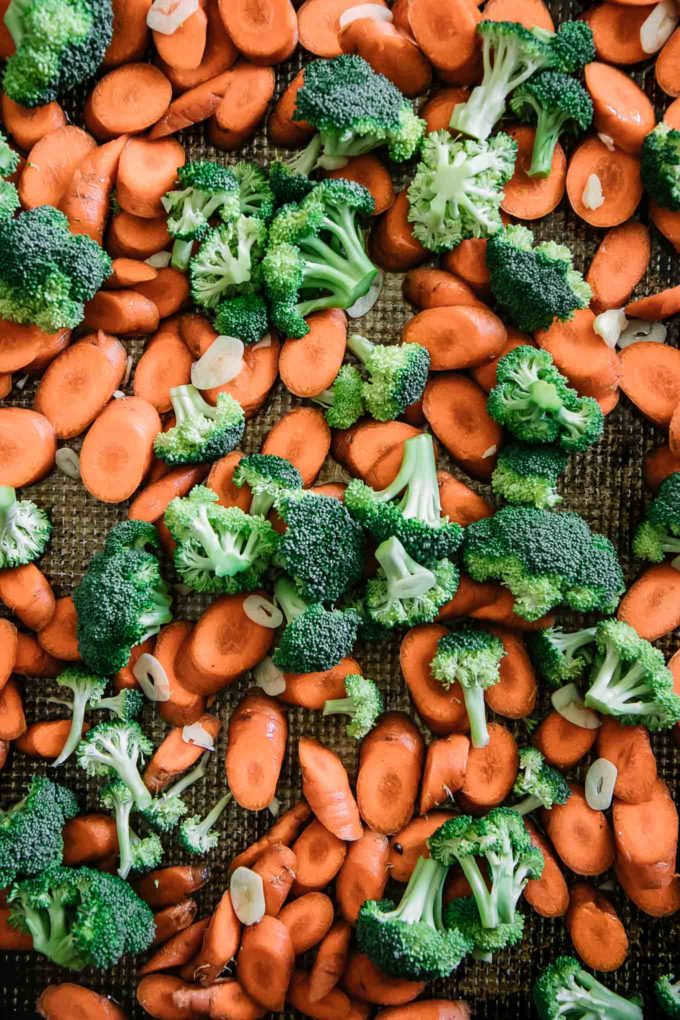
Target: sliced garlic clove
659,26
199,736
269,677
639,330
160,260
363,305
377,11
593,195
600,783
247,895
68,462
221,363
261,610
166,16
151,677
569,703
610,325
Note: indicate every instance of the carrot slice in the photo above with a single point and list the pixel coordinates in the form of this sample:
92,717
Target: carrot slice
166,886
117,450
27,446
19,345
178,950
629,749
283,130
174,755
309,365
164,364
455,407
58,637
220,54
619,263
220,480
393,245
666,67
325,787
456,337
331,960
128,273
655,902
460,503
69,999
265,32
276,867
283,831
548,895
246,97
28,125
147,170
183,707
86,200
447,35
369,444
590,365
616,32
192,107
438,109
658,464
302,437
12,718
136,237
32,660
620,108
319,855
443,711
485,375
532,198
46,739
619,175
169,291
318,25
124,312
184,49
666,221
364,981
581,835
514,696
651,379
257,376
27,594
363,875
444,770
372,174
130,32
654,307
308,919
530,13
491,772
561,742
152,501
256,746
50,165
313,690
434,288
265,963
390,766
127,100
390,52
468,260
646,836
596,930
411,843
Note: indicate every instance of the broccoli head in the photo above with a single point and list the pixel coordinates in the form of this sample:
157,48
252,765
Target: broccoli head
397,375
116,749
405,593
527,473
659,533
136,536
9,200
458,188
87,691
559,656
344,400
197,835
167,810
363,704
245,317
314,638
134,854
31,830
201,432
564,989
539,784
470,657
268,477
228,263
661,166
255,193
462,915
126,704
25,530
558,105
287,184
9,159
667,994
205,190
534,285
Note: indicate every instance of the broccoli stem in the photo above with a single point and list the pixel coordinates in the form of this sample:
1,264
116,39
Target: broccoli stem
226,558
13,19
528,805
261,504
548,128
570,643
123,812
306,162
486,104
422,899
187,403
81,696
181,254
476,710
339,706
289,599
405,577
362,349
417,478
197,773
486,903
600,996
8,504
211,818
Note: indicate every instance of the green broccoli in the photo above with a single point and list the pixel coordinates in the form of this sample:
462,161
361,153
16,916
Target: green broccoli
458,188
315,638
134,536
87,690
219,549
245,317
31,830
527,473
134,854
534,285
197,835
201,433
59,44
559,656
667,994
354,110
661,166
369,629
397,375
166,811
344,401
48,273
322,548
363,704
228,262
268,477
205,189
630,681
404,592
511,55
462,915
25,530
545,559
127,704
117,749
659,533
255,194
287,185
564,989
316,257
409,507
470,657
539,784
9,200
79,917
558,105
120,602
410,940
533,401
9,159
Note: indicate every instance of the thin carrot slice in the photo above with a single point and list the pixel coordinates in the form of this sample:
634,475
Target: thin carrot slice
334,1004
651,379
455,407
364,981
390,766
183,707
390,52
619,263
283,831
619,175
27,446
163,365
32,660
393,245
174,919
616,32
192,107
590,365
446,36
319,854
127,100
580,834
169,291
655,902
28,125
277,868
46,739
646,836
460,503
621,109
491,772
658,464
443,711
318,25
444,770
86,200
51,164
27,594
666,221
666,67
220,942
256,746
629,749
532,198
266,953
136,237
257,376
246,97
548,895
369,171
468,260
325,787
156,995
19,345
130,32
266,32
371,445
117,450
178,950
165,886
58,637
434,288
147,169
457,337
73,1000
411,843
514,696
313,690
309,365
12,718
662,305
124,312
220,480
129,272
363,875
152,501
184,49
561,742
220,54
302,437
595,929
530,13
174,755
283,130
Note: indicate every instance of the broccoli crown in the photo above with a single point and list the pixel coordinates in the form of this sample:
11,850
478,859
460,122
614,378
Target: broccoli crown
197,835
322,547
256,196
661,166
560,656
355,109
201,432
534,285
121,601
630,681
205,189
539,783
545,559
564,989
287,185
165,812
47,272
397,375
228,263
471,657
127,704
659,533
137,536
9,159
25,530
532,399
245,317
117,797
410,940
458,188
314,638
667,994
219,549
268,477
59,44
31,830
79,917
409,507
344,401
88,690
363,703
526,473
557,104
117,749
9,200
405,593
462,915
369,629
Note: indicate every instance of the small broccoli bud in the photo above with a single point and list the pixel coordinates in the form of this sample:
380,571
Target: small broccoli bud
661,166
659,533
245,317
558,105
25,530
88,691
667,994
196,834
31,830
315,638
127,704
527,473
559,656
470,657
202,433
564,988
165,811
228,262
268,477
363,704
397,375
538,783
404,592
117,749
205,189
255,193
344,401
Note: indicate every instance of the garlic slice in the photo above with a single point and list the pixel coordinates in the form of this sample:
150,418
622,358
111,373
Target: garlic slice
600,783
363,305
610,325
151,677
269,677
261,610
607,140
274,808
657,29
266,341
593,195
569,703
377,11
166,16
199,736
639,330
221,363
160,260
247,895
68,462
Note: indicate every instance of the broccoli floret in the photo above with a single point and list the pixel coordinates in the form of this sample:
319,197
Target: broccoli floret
205,189
410,507
120,602
458,188
322,548
228,263
317,257
630,681
127,704
47,273
667,994
245,317
659,533
201,432
219,549
255,194
268,477
527,473
166,811
197,835
410,940
344,401
564,989
405,593
59,44
559,656
397,375
363,704
9,200
25,530
534,285
539,784
287,184
511,55
354,110
134,854
532,399
369,629
545,559
117,748
31,830
661,166
462,914
557,104
87,690
136,536
315,638
9,159
471,657
79,917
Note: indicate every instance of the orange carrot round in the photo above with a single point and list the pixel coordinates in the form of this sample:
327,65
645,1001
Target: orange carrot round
595,929
127,100
369,171
147,170
393,245
58,637
443,711
446,36
27,446
313,690
136,237
56,1002
265,962
256,746
266,33
27,125
548,895
616,32
390,765
455,407
184,49
411,843
364,981
166,886
619,175
117,450
246,97
530,13
325,787
309,365
581,835
532,198
491,772
561,742
666,67
651,379
620,108
318,24
320,854
50,165
363,875
390,52
302,437
456,337
174,755
629,749
619,263
307,918
590,365
646,837
444,770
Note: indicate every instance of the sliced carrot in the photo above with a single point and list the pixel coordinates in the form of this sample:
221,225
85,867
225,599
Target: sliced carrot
174,919
434,288
257,376
320,855
369,171
666,221
28,595
618,173
313,690
184,49
156,995
12,718
459,502
491,772
219,55
58,637
5,384
227,141
428,1009
468,261
152,501
532,198
619,263
127,100
166,886
616,32
50,165
514,696
125,677
629,749
128,273
265,962
147,170
246,97
393,245
227,998
646,836
121,311
277,868
444,770
86,200
595,929
283,831
455,408
192,107
14,941
658,464
561,742
390,52
457,337
266,33
88,839
651,379
580,834
136,237
319,28
283,130
334,1004
256,746
8,650
411,843
331,960
27,125
27,446
530,13
325,787
130,32
178,950
32,659
117,450
56,1002
443,711
19,345
485,375
622,111
307,918
363,875
662,305
364,981
390,766
174,755
220,480
438,109
548,895
309,365
220,942
163,365
666,67
46,739
655,902
446,36
590,365
371,447
302,437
